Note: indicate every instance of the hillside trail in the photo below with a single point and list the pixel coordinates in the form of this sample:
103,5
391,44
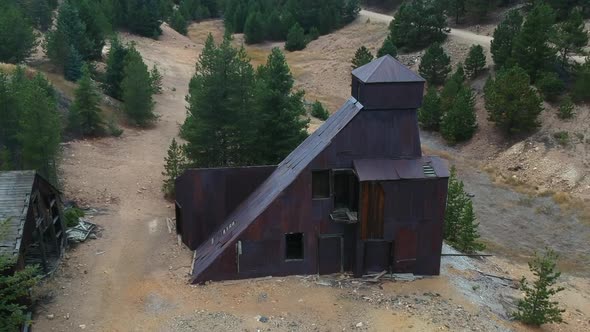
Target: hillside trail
106,281
460,35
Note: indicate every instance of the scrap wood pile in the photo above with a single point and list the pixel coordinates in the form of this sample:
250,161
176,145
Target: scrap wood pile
348,281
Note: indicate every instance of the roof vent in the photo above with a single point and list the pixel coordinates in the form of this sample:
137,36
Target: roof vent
428,171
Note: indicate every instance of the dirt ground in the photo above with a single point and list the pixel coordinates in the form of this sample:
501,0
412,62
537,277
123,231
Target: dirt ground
134,277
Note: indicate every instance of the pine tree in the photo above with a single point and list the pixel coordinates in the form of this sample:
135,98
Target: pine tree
219,127
532,51
115,69
40,130
570,36
451,89
478,9
362,56
456,9
435,65
417,24
459,123
504,35
14,287
295,39
254,28
456,201
137,90
550,85
156,80
9,113
69,32
388,47
511,103
475,61
40,13
280,111
178,23
73,65
467,237
176,163
85,114
537,308
429,115
17,38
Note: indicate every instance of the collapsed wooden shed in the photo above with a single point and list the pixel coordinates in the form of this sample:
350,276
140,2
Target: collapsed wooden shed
357,195
32,229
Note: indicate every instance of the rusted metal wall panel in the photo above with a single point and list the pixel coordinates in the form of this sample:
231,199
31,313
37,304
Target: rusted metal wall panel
407,95
207,196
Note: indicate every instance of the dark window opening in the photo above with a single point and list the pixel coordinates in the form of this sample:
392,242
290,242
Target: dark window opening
346,190
320,183
294,246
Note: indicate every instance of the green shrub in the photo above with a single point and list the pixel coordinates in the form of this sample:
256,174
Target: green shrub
13,289
318,111
72,216
562,137
296,40
566,109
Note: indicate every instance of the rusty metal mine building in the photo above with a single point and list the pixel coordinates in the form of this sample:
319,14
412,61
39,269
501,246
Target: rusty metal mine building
357,195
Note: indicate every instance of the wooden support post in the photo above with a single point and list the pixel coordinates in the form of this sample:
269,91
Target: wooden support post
42,247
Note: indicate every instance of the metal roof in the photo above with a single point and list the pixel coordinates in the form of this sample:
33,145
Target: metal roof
399,169
385,69
279,180
15,191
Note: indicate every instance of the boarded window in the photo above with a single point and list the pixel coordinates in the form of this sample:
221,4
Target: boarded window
294,246
320,183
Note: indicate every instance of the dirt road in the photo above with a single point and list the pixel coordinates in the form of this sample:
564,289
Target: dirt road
459,34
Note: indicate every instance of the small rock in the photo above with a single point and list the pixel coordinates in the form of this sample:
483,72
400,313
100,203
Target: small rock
359,324
263,319
82,326
51,316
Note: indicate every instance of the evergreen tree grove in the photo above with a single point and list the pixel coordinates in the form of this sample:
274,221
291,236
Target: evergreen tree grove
537,308
361,57
417,24
85,114
137,90
435,65
218,128
570,36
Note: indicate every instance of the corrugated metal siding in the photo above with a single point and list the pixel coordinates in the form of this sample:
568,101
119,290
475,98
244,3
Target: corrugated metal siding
207,196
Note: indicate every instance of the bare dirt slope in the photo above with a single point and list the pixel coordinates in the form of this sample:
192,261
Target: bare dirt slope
133,278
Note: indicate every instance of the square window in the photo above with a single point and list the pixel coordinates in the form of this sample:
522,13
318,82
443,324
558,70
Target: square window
294,246
320,183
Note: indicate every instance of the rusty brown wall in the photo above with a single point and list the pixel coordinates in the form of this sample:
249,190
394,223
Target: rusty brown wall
207,196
